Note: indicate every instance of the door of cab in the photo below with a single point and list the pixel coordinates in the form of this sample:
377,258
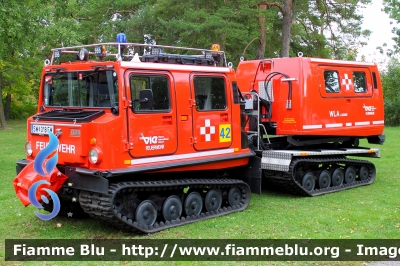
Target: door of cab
152,118
211,113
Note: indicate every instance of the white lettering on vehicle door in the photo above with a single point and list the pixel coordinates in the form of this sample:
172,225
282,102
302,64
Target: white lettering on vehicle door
63,148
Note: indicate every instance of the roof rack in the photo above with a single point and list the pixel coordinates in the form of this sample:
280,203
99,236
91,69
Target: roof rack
115,51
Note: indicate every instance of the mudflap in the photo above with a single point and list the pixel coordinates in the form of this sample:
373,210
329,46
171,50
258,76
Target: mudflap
28,176
253,174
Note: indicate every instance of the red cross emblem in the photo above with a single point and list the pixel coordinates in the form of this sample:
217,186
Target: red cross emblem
347,82
207,131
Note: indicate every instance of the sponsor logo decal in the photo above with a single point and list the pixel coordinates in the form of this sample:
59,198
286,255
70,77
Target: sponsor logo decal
153,142
369,109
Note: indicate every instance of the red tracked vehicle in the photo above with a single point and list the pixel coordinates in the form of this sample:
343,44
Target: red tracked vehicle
154,141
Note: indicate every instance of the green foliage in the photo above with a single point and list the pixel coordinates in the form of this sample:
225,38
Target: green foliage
20,53
392,7
320,29
22,111
391,89
329,29
31,29
195,24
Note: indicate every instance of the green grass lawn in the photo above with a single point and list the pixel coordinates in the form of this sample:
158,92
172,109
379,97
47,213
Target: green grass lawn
369,212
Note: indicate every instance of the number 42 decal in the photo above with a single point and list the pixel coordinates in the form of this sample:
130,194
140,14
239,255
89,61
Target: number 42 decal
225,133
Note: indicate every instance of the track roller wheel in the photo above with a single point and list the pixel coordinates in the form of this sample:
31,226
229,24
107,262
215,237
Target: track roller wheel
324,179
125,204
118,202
193,204
350,175
364,173
234,196
172,208
146,213
213,200
308,181
337,176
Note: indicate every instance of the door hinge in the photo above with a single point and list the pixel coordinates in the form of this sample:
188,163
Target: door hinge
128,145
192,103
193,140
127,103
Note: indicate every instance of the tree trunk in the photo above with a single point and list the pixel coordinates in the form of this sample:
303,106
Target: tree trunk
3,123
263,34
286,27
8,106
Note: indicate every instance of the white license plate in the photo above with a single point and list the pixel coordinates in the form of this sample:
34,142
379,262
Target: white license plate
41,129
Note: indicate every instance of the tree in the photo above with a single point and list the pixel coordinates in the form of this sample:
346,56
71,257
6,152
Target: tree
392,7
18,23
196,24
3,123
31,29
93,21
324,28
287,14
286,9
328,29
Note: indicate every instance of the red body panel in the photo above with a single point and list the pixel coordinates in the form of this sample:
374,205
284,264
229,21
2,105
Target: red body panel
28,176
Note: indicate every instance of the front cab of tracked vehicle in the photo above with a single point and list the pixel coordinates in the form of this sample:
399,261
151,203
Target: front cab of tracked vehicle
118,117
121,121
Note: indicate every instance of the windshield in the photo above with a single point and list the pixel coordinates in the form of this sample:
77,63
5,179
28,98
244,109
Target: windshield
96,88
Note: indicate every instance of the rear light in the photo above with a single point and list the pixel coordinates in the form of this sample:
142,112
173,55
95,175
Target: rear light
28,148
95,155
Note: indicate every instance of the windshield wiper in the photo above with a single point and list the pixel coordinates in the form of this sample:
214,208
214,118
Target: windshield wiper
57,72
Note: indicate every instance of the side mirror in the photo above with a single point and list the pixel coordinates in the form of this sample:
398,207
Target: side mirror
146,99
114,110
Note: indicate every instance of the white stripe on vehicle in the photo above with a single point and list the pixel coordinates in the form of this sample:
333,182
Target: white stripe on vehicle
312,126
362,123
334,125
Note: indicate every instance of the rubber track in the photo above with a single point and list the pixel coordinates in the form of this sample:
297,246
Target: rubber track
286,180
100,206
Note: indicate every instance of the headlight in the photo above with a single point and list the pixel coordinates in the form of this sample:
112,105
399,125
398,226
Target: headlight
83,54
95,155
28,148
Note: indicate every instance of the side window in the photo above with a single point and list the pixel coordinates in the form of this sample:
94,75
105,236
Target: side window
159,87
210,93
360,84
331,78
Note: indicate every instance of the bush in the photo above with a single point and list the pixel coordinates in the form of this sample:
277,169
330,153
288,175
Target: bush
391,92
392,112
